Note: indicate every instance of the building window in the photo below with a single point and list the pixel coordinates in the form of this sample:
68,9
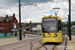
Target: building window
2,28
14,25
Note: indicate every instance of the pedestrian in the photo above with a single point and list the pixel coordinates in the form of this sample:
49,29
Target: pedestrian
24,35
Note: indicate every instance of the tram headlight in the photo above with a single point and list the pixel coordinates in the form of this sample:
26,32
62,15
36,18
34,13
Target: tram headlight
55,35
44,35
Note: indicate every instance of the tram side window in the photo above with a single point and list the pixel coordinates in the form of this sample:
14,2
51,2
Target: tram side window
59,25
42,28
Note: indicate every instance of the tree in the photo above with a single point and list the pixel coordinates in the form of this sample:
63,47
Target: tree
27,24
72,23
65,25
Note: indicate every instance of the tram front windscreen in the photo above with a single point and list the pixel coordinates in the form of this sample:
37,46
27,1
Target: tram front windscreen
49,25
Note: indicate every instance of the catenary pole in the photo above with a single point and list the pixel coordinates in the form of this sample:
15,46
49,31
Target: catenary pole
69,16
20,36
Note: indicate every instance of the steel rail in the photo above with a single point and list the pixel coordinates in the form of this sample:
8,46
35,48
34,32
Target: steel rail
27,44
14,44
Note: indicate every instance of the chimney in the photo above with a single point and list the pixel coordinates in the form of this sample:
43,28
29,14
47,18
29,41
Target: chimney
6,16
14,15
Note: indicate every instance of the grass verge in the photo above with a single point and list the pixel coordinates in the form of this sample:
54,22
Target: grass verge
9,37
73,31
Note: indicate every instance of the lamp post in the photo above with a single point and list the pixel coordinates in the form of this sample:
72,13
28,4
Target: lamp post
69,19
20,36
56,10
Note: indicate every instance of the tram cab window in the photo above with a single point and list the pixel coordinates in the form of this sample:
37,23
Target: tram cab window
49,26
59,25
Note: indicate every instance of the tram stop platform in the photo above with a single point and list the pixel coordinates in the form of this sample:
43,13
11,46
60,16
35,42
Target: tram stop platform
71,44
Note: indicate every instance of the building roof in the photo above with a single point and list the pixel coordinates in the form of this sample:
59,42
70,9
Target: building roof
2,19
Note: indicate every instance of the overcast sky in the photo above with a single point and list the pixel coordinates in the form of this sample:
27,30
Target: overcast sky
35,13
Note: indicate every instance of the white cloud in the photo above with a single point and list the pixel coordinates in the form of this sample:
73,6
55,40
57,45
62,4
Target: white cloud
65,4
34,14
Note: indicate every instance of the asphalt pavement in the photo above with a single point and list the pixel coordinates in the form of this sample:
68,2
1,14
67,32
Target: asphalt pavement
4,41
70,44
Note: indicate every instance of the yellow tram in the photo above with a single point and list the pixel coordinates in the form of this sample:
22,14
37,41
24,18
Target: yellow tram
52,29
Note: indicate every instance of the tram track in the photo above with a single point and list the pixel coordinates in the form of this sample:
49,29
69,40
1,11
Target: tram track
44,45
15,44
31,45
53,48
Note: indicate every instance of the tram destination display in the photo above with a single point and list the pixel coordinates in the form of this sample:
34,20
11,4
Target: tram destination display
49,19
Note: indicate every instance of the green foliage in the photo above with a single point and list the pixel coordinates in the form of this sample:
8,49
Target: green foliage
73,31
32,24
72,23
9,37
27,24
65,25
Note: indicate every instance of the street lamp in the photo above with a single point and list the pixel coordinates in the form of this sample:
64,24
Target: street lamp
20,36
69,19
56,10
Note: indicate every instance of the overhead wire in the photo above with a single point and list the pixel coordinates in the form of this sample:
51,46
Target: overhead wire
62,9
50,9
39,9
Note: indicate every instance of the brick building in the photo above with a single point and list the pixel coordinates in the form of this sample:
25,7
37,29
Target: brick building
8,23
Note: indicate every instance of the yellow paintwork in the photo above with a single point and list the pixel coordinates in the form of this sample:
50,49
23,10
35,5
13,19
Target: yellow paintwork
51,38
52,17
21,32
